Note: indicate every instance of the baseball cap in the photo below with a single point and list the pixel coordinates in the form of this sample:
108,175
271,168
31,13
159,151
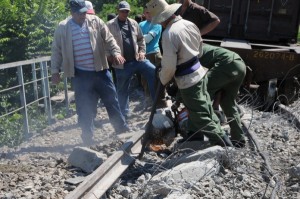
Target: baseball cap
123,5
90,7
78,6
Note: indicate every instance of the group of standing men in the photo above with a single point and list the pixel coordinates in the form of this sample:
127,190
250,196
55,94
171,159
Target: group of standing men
83,44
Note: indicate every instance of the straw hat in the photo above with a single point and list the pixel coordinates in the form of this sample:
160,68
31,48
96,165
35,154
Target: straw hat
160,10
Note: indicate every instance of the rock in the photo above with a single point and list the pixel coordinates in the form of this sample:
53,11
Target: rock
294,172
86,159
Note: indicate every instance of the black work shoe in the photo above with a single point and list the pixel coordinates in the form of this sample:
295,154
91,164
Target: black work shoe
191,136
239,143
225,141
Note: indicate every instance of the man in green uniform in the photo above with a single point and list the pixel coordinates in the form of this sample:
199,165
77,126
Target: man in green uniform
182,43
225,76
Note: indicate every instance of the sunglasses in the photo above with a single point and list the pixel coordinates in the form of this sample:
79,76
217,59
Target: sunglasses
124,11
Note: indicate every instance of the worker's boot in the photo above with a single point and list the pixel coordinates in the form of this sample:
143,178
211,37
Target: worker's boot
224,141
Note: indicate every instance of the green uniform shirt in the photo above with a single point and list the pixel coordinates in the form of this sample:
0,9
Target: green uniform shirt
214,56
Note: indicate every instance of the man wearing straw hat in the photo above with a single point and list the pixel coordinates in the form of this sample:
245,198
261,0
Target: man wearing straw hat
182,44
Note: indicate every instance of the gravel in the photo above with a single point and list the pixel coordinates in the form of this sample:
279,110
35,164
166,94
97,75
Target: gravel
38,167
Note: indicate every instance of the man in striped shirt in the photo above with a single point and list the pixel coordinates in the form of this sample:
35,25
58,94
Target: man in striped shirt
80,47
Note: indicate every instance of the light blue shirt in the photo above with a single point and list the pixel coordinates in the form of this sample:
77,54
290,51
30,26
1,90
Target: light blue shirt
155,31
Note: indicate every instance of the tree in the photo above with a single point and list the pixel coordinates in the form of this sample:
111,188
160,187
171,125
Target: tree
27,27
104,7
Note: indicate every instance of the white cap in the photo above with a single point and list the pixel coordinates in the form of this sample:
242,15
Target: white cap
90,8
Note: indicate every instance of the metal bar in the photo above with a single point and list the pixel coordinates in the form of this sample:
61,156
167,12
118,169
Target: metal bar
14,111
19,63
230,18
10,88
30,82
28,104
257,44
43,86
23,99
35,87
47,99
97,183
270,18
247,16
208,7
66,95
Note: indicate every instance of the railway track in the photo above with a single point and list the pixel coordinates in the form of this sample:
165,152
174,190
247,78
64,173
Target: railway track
97,183
27,172
101,180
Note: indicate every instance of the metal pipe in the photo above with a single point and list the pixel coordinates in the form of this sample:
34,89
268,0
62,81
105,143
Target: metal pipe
230,18
66,95
23,99
270,18
247,16
35,87
47,99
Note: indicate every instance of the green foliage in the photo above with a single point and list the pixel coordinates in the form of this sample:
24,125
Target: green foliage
11,130
62,113
37,118
11,126
26,28
108,6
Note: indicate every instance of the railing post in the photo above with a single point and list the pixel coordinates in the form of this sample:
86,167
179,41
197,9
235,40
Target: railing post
66,95
46,90
35,87
23,99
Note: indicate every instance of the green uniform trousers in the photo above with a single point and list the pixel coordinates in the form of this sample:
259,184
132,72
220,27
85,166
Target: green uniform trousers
228,83
201,115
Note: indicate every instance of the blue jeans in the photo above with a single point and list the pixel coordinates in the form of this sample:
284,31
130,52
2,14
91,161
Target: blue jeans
145,68
89,86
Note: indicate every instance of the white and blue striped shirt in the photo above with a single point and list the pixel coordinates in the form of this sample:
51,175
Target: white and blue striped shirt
82,49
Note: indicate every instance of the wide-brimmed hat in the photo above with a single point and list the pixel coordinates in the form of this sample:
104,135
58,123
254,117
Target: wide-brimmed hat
78,6
90,7
160,10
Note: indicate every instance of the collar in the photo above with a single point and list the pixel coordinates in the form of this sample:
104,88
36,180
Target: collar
177,18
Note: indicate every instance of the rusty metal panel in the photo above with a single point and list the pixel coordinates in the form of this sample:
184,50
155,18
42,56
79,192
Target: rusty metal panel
224,9
268,65
256,20
271,20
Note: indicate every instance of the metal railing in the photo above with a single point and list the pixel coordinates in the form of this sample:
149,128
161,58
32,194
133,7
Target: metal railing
39,87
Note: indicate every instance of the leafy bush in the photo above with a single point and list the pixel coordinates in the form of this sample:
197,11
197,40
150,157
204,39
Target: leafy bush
11,130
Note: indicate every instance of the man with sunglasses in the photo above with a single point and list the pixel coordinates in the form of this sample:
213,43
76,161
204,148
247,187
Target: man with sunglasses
79,49
129,37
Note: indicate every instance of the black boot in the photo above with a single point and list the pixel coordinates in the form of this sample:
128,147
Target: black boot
239,143
225,141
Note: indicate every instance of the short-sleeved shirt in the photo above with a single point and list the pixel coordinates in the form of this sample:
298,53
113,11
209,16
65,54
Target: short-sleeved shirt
199,15
153,29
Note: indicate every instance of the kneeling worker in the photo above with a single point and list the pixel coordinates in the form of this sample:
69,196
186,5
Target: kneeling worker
225,76
182,44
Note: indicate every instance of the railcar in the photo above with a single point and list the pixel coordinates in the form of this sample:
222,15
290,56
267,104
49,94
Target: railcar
264,33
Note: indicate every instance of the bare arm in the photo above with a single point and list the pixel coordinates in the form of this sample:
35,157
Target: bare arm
209,27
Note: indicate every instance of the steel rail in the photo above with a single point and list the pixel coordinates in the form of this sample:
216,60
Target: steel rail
96,184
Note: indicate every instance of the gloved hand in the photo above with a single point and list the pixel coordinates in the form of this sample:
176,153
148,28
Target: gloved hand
175,105
172,89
